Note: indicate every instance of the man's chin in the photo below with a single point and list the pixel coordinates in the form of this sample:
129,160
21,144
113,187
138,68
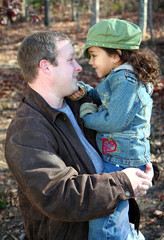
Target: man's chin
76,88
73,91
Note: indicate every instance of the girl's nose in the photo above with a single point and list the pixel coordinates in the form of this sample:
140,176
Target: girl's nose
90,61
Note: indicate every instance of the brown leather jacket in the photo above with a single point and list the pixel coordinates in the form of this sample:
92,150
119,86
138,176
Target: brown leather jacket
58,188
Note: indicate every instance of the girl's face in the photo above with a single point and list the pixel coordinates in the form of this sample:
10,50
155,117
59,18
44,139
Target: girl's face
101,61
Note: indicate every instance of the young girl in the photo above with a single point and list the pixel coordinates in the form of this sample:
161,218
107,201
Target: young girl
122,121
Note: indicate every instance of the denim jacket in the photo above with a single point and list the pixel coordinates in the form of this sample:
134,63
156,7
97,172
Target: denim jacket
123,119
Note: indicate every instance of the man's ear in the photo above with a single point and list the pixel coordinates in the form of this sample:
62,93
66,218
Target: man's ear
44,66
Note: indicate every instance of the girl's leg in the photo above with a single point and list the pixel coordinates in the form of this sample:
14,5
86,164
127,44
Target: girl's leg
133,235
113,227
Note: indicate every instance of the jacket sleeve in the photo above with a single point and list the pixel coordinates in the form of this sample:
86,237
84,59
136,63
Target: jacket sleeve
57,190
121,109
89,90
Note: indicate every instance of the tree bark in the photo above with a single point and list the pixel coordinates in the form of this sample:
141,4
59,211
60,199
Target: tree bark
150,20
77,16
143,16
46,13
27,10
73,10
95,12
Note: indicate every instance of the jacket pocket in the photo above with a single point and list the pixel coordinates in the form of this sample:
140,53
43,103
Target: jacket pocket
117,145
143,95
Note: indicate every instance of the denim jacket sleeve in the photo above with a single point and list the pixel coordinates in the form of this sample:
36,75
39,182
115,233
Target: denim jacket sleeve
92,92
122,105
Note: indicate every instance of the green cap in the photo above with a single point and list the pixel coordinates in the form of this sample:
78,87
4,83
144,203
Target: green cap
113,33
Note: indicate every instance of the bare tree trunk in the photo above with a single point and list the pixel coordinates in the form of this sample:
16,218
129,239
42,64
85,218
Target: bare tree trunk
89,5
27,10
95,12
73,10
123,7
150,20
46,13
62,6
143,16
77,16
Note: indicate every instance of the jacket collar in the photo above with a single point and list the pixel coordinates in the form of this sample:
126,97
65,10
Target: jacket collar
37,102
125,66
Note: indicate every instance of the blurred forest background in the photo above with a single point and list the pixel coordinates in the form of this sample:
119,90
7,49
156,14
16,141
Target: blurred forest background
74,17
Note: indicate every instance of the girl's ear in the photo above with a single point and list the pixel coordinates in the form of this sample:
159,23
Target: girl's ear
44,66
117,59
119,52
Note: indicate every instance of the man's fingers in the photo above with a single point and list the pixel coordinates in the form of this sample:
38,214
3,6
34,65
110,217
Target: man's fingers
140,180
141,190
143,187
143,175
147,183
140,193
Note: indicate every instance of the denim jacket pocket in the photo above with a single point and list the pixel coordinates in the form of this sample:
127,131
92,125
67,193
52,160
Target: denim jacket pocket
143,95
114,145
124,149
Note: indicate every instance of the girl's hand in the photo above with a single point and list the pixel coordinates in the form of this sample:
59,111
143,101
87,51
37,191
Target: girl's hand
77,95
149,170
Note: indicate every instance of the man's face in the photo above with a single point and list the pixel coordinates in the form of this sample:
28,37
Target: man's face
66,72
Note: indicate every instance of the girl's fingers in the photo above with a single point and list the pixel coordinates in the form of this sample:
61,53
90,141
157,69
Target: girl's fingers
149,170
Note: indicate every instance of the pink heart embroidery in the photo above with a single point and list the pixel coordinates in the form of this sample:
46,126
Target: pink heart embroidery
108,146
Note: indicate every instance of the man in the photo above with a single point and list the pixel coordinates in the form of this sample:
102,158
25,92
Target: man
57,169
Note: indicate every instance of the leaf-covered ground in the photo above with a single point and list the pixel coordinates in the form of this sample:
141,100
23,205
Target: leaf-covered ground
11,91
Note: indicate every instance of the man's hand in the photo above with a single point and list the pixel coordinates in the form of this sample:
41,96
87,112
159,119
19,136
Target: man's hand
140,181
149,171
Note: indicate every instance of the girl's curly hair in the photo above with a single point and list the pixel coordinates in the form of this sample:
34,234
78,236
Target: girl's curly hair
144,61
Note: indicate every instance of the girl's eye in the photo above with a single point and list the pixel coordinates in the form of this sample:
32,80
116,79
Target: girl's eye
92,55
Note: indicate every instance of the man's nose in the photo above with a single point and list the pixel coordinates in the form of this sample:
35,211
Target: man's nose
78,67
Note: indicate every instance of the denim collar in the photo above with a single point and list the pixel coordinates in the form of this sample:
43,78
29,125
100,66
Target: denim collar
125,66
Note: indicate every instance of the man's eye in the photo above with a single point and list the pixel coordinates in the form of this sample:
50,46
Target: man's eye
70,60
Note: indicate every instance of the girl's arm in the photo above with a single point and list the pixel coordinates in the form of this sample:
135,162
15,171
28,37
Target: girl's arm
123,105
84,89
